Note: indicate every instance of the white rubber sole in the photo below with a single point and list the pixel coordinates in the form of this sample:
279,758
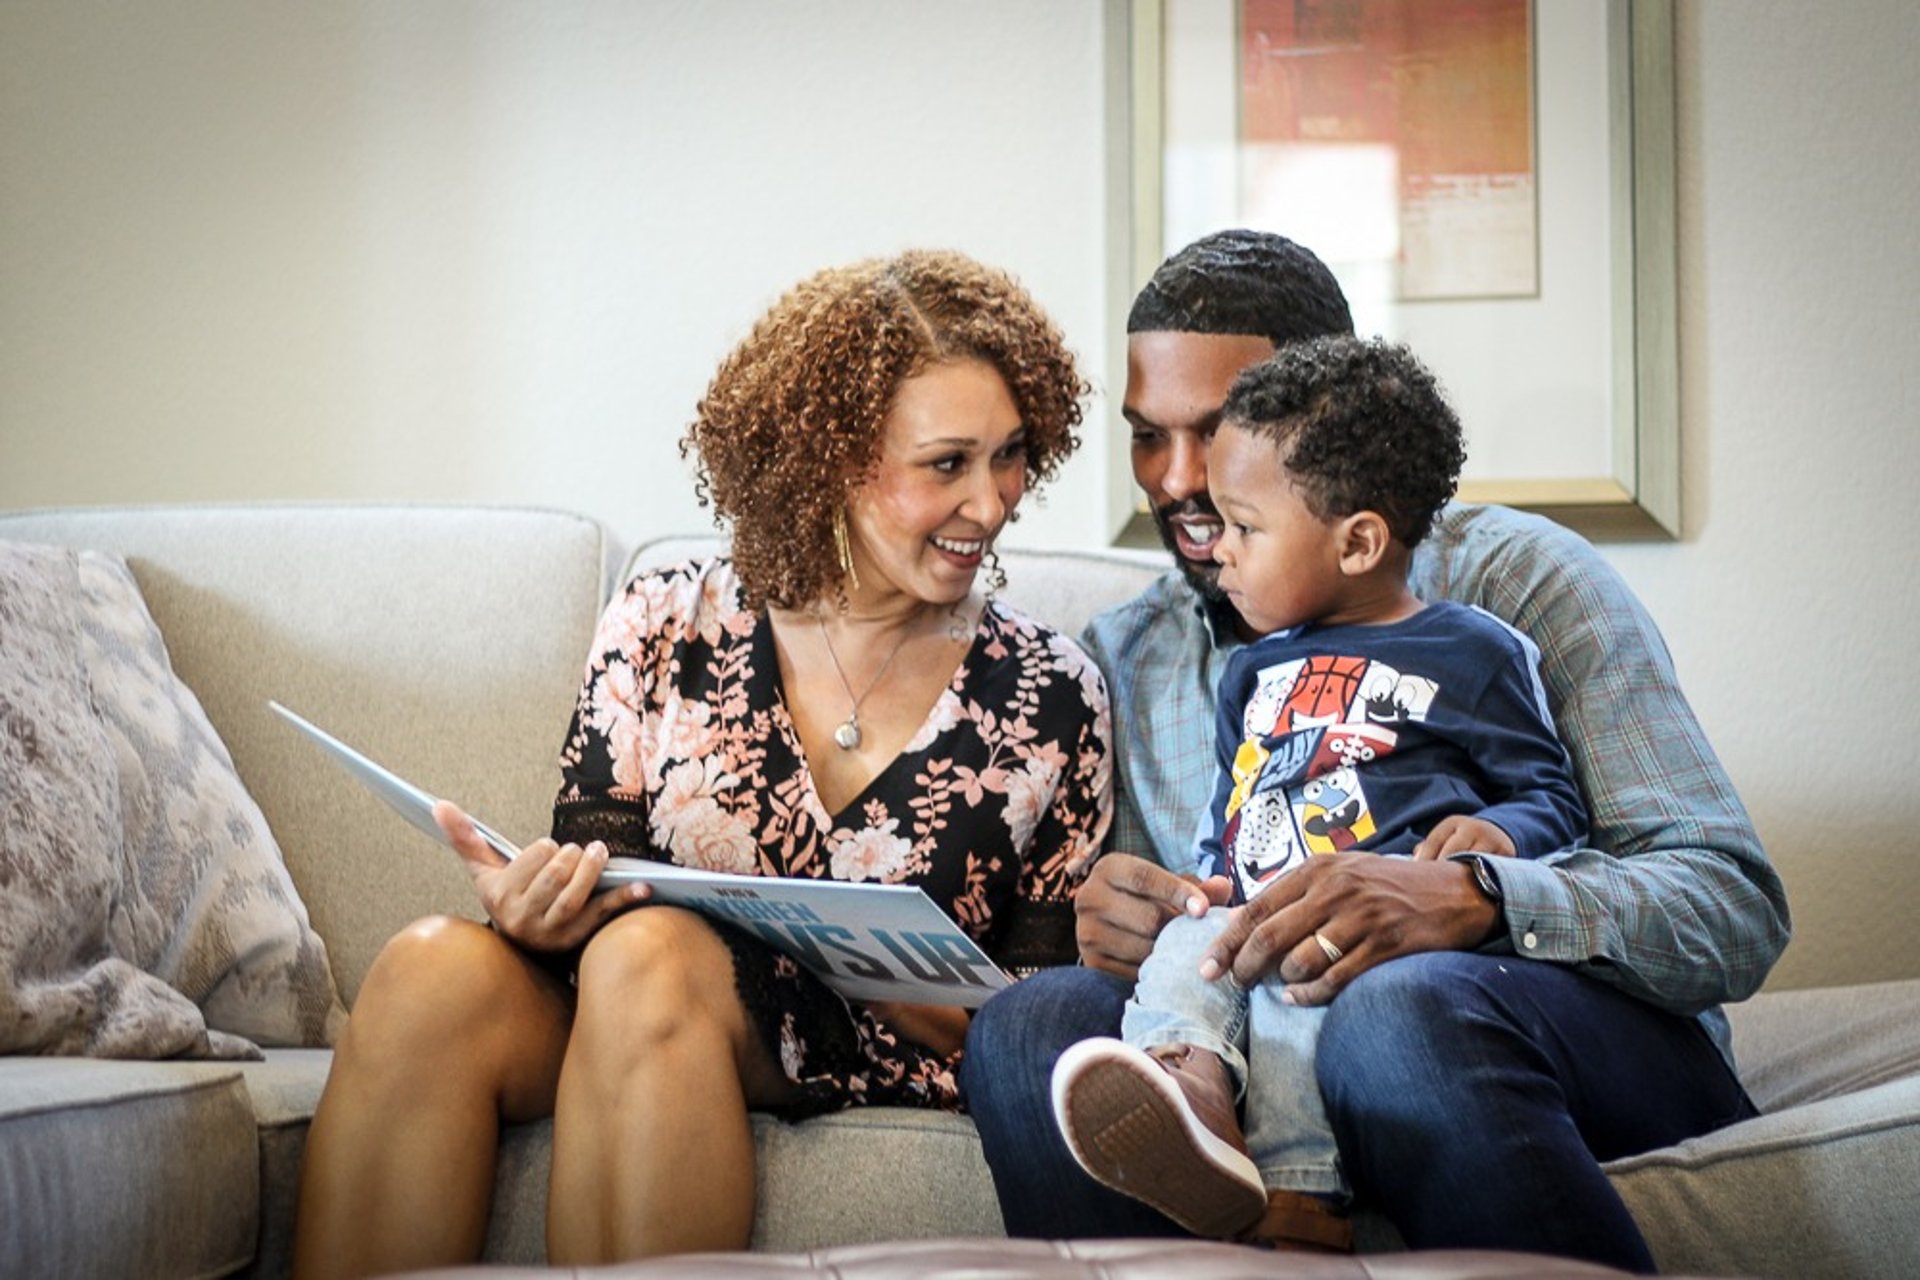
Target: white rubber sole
1129,1126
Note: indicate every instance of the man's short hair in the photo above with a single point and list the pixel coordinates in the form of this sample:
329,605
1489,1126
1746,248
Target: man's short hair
1360,425
1243,282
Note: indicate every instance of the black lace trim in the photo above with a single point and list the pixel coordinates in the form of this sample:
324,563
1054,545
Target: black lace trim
1033,936
623,826
783,999
620,824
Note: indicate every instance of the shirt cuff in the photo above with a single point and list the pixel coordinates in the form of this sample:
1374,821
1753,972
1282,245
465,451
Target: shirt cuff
1539,910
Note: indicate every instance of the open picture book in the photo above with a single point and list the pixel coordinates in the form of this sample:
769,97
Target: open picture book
866,941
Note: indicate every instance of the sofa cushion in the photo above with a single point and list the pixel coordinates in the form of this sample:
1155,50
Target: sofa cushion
1819,1185
1063,589
1821,1189
1817,1189
285,1089
125,1168
817,1183
953,1191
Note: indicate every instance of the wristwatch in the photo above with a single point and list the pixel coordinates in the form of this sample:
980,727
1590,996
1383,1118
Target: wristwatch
1483,878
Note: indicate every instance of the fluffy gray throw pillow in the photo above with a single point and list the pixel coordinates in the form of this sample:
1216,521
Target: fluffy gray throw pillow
144,909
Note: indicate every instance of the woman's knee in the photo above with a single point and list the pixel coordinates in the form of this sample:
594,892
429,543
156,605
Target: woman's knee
429,978
654,972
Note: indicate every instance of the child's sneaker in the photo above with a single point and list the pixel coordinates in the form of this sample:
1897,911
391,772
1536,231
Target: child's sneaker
1296,1220
1160,1127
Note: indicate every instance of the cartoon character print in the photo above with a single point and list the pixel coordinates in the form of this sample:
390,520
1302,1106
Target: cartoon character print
1388,697
1333,812
1302,694
1265,841
1261,838
1322,692
1312,725
1273,827
1349,746
1249,762
1270,689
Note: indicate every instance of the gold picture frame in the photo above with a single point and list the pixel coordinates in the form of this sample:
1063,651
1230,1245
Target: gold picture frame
1634,491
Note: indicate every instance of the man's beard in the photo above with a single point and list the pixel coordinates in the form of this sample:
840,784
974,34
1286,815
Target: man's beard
1202,577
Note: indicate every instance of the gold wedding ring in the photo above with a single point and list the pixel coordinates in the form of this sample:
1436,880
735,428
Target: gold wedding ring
1327,948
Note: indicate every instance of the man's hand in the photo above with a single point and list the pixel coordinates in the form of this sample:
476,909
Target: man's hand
544,899
1461,834
1368,908
1124,904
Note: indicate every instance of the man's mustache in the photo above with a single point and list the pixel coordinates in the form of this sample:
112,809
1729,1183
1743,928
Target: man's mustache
1202,576
1190,508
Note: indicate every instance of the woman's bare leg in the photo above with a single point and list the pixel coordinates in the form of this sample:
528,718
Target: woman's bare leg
652,1149
453,1032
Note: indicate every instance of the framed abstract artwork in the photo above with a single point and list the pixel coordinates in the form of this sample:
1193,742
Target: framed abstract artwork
1491,181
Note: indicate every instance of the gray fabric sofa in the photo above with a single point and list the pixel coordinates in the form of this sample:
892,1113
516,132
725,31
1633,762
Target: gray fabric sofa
447,642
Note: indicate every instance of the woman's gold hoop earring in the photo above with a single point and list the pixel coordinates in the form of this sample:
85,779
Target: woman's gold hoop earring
843,547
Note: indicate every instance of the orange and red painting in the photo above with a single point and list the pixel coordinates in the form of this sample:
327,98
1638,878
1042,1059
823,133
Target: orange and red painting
1418,114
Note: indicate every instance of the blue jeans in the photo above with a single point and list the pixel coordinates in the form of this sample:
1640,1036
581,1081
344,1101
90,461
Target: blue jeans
1472,1097
1006,1078
1267,1046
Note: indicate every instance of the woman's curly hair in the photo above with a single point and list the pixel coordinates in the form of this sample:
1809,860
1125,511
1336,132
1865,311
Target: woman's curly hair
1362,425
791,424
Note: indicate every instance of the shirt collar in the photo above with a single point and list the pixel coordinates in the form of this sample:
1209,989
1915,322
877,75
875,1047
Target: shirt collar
1218,617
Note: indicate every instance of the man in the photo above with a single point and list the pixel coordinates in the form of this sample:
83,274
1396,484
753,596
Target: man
1496,1028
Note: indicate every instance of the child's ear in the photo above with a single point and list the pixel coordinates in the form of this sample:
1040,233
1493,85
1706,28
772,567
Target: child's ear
1364,539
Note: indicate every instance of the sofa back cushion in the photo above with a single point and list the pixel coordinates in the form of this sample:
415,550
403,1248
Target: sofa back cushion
445,642
1060,588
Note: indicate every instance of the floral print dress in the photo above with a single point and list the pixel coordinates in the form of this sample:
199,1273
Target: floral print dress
682,749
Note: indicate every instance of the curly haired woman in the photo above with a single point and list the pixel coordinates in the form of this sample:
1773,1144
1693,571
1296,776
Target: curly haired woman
836,699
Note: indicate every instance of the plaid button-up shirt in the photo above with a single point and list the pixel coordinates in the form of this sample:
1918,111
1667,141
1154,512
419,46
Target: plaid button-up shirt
1673,900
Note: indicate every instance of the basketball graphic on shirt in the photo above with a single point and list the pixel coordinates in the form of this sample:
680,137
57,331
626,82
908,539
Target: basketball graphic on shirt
1312,726
1324,688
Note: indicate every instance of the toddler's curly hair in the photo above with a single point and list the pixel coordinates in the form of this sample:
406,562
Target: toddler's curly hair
791,423
1361,426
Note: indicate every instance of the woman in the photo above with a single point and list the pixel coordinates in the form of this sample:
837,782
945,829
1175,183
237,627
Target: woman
835,700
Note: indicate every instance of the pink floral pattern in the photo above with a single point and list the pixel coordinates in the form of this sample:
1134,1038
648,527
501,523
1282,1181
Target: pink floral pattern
682,749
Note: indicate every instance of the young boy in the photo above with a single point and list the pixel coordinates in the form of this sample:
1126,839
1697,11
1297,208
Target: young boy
1362,720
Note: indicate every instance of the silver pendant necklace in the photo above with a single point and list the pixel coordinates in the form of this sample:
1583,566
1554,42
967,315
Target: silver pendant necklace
847,735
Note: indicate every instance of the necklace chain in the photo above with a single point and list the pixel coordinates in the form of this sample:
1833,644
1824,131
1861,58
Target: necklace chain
847,736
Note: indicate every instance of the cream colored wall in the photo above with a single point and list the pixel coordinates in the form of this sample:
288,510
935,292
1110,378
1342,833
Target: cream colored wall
490,251
1790,604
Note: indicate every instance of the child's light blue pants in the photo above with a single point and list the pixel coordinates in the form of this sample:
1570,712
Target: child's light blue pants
1268,1047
